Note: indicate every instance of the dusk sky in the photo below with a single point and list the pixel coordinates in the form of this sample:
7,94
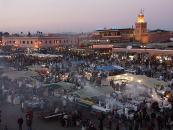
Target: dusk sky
81,15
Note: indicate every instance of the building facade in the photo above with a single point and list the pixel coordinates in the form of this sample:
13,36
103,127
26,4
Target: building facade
159,36
138,34
116,35
39,41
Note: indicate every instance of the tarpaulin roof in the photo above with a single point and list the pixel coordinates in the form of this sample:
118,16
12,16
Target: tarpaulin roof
109,68
59,85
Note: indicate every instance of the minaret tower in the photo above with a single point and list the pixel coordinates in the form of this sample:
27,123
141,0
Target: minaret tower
141,34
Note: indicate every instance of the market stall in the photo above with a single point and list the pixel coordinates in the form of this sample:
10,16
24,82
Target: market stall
60,88
141,79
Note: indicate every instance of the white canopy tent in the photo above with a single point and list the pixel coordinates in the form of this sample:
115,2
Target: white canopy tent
140,79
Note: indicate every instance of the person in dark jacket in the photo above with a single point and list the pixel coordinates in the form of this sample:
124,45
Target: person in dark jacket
29,122
20,122
159,122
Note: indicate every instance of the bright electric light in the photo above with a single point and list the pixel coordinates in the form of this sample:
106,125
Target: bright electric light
139,81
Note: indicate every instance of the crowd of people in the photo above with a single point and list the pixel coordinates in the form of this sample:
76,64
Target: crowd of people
144,119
